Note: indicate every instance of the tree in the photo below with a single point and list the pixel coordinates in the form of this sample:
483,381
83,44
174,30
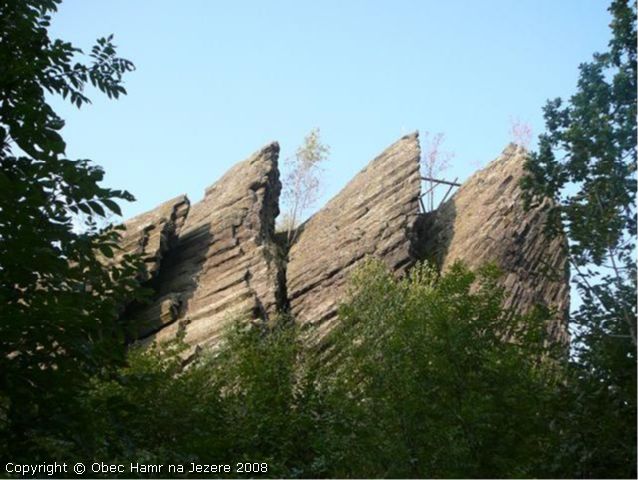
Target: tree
302,183
420,380
586,163
60,304
247,402
429,384
520,132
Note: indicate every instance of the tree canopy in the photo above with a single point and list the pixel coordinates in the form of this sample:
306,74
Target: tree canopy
302,183
59,301
586,162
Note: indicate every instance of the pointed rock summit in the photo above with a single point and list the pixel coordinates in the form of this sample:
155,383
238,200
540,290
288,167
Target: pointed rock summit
374,215
485,221
223,264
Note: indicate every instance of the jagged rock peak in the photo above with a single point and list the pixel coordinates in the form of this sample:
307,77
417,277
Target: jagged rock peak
223,265
486,221
220,262
374,215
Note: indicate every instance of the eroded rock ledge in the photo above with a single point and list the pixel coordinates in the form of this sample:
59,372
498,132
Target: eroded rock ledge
219,261
153,233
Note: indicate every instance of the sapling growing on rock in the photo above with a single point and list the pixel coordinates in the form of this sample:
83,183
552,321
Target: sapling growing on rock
302,183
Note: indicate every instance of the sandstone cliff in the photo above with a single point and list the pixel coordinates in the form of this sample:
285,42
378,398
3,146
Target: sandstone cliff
222,264
485,221
218,261
153,233
373,215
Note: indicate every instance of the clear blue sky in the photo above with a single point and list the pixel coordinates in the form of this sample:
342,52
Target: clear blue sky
217,80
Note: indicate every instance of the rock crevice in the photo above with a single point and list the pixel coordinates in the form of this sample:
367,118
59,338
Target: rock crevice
222,265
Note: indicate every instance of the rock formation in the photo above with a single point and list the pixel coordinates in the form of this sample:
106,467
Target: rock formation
153,233
374,215
219,261
223,263
485,221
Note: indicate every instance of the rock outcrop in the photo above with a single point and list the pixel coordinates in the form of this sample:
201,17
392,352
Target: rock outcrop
485,221
218,261
373,215
223,265
153,233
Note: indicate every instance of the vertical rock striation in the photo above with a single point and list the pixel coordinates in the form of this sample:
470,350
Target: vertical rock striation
223,264
485,221
373,215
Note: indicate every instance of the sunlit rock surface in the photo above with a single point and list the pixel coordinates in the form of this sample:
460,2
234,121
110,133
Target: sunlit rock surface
222,266
485,221
218,261
373,215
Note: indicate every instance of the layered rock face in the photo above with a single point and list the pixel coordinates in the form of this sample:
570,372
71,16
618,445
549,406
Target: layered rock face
223,264
485,221
218,261
153,233
374,215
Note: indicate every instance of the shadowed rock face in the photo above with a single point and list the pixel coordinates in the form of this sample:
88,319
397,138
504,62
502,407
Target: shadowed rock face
222,265
153,233
485,221
373,215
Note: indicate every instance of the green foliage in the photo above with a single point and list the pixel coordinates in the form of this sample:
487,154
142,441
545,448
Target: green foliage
152,411
58,324
256,371
587,164
425,377
438,387
240,403
303,183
